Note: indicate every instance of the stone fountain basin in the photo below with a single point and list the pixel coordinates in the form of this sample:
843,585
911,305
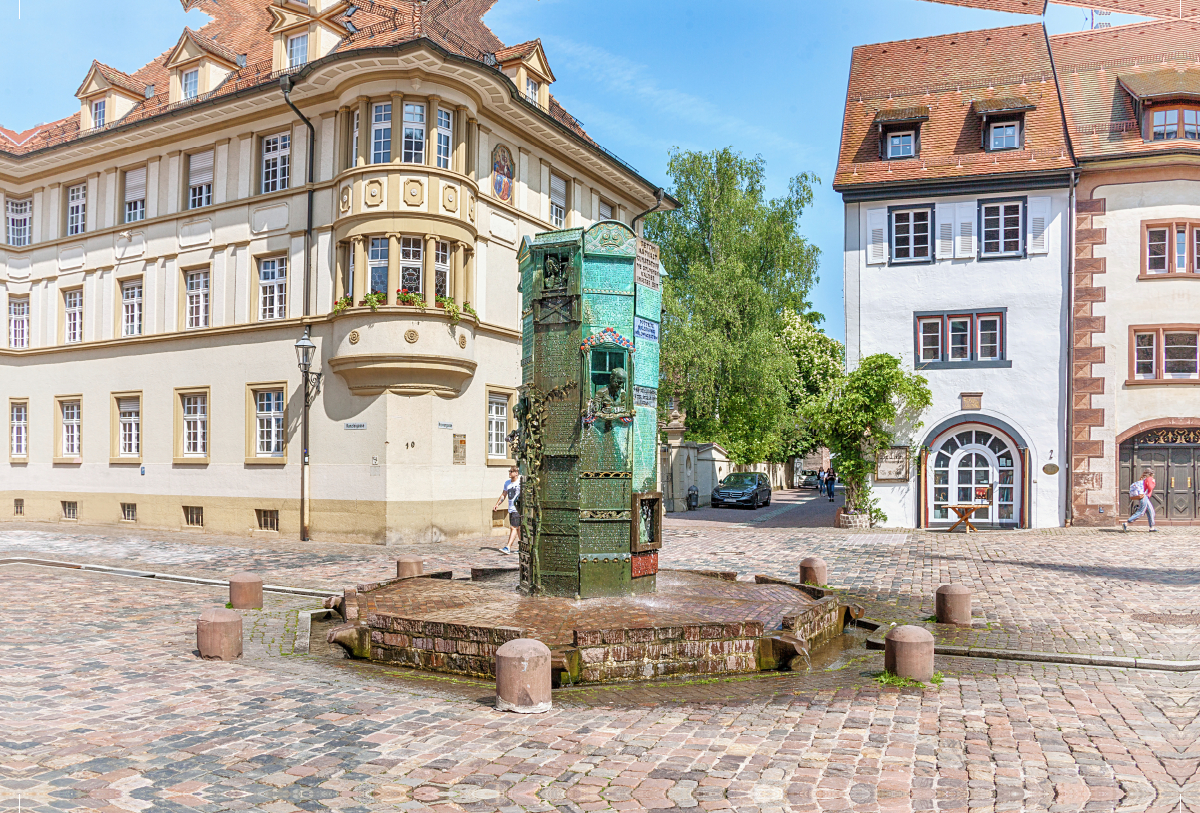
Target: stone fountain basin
695,624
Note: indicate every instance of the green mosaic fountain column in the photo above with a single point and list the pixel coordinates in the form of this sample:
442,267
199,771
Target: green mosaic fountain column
587,415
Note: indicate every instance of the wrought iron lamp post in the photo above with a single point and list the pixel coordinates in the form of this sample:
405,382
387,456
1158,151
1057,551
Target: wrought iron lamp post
305,352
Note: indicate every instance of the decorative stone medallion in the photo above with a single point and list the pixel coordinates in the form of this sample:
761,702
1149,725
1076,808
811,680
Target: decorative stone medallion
345,199
354,337
374,192
414,192
462,341
411,336
450,198
471,207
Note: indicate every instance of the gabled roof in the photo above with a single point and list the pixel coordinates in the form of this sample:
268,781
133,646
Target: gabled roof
111,76
949,76
529,52
182,52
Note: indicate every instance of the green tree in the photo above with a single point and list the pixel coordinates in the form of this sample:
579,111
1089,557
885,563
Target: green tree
864,412
736,266
820,364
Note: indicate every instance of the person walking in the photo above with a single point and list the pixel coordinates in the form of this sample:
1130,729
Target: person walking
511,492
821,481
831,483
1144,489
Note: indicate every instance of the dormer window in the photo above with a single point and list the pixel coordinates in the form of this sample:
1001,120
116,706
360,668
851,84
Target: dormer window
1002,122
901,145
297,50
900,132
531,90
98,113
189,83
1166,102
1173,123
1005,135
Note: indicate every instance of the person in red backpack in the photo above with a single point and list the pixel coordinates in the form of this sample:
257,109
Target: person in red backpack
1144,489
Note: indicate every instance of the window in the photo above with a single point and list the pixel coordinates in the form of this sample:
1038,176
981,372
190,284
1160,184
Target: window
445,133
18,507
1164,354
297,50
200,179
498,427
1145,357
931,339
1170,248
19,221
956,339
195,425
270,422
1181,244
531,90
268,518
441,268
960,339
18,422
1005,136
18,322
1164,125
131,308
70,509
1191,124
411,264
129,512
275,162
76,209
381,133
414,134
910,235
72,441
73,310
193,516
605,211
558,201
1003,229
272,288
189,83
354,141
603,363
988,341
135,195
1156,251
196,299
98,113
129,427
377,265
901,145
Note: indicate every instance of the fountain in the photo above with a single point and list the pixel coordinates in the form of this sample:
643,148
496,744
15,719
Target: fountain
588,583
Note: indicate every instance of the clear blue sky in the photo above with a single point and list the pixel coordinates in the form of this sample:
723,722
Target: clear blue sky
767,78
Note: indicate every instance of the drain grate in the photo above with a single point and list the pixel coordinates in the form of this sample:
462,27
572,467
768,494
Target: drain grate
1179,619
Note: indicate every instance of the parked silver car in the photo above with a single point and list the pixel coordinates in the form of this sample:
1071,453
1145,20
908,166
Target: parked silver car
809,479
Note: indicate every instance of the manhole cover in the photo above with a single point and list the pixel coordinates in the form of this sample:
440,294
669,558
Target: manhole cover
1182,619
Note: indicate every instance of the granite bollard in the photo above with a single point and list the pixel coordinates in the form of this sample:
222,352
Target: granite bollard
952,605
409,566
908,653
813,570
219,634
523,677
245,591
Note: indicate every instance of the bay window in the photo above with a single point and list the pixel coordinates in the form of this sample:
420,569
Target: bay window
445,136
414,134
377,265
441,268
381,133
412,255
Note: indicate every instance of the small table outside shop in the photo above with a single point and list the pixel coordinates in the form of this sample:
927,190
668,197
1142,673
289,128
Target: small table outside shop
965,512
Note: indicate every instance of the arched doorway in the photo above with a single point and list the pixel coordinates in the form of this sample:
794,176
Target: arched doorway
1173,454
974,464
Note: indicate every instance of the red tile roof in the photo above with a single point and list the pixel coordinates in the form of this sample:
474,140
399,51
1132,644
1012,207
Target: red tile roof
115,77
239,28
1013,6
1091,64
949,75
1162,9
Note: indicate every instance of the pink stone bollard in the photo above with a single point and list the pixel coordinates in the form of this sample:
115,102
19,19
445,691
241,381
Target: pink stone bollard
245,591
523,677
952,605
219,634
409,566
908,653
813,570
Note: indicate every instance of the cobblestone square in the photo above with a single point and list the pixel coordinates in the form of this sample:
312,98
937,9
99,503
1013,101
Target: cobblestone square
107,708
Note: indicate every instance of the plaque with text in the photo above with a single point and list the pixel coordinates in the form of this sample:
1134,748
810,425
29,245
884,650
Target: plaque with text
460,450
645,266
891,465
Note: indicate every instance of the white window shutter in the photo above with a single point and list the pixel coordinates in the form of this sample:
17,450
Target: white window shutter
877,242
1039,226
200,168
944,222
964,230
135,184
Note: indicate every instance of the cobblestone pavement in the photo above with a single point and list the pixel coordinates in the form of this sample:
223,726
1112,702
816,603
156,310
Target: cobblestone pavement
104,706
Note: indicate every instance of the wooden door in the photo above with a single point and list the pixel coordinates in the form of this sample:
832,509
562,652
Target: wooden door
1157,460
1180,490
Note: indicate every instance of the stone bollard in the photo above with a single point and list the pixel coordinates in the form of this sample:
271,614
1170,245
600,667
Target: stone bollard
523,677
813,570
245,591
952,605
219,634
908,653
408,566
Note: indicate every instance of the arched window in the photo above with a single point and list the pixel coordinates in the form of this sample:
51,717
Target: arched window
974,465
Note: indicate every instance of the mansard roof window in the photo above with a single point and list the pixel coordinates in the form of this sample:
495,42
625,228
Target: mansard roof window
1002,121
1166,102
900,132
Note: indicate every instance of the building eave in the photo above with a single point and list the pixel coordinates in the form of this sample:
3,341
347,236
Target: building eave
961,185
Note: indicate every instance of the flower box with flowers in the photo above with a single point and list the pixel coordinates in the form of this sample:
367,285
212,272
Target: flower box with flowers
410,298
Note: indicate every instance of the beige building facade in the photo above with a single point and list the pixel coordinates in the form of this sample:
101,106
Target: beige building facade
157,269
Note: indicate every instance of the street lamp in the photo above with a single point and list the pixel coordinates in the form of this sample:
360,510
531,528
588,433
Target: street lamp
306,351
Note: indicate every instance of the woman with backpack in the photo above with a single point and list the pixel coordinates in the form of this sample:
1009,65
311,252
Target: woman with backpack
1142,489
